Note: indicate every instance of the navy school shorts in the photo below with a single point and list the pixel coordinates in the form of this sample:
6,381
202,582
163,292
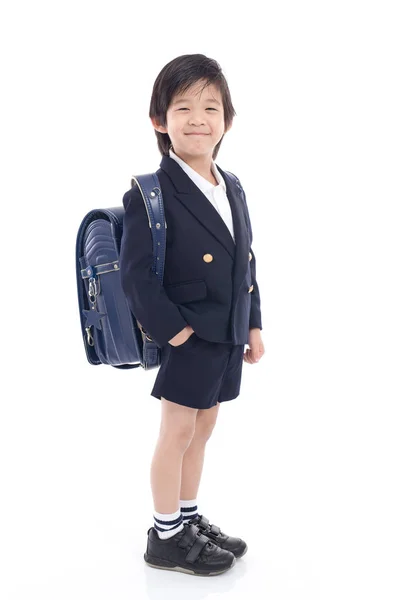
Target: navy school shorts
199,373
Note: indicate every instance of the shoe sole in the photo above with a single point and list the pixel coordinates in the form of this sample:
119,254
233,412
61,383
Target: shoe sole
160,563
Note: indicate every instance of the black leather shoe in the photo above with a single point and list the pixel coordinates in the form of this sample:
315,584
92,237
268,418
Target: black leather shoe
235,545
188,551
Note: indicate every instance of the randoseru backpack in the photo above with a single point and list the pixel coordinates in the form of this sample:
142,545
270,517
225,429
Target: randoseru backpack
111,333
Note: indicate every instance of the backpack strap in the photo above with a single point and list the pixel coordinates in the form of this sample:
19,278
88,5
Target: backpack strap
150,188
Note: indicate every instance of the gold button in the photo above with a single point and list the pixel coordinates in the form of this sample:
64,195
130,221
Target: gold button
208,257
250,289
250,256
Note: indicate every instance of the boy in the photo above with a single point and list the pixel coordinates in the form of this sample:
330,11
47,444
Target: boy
207,309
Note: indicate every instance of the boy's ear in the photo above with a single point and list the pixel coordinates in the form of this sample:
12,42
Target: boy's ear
158,127
228,128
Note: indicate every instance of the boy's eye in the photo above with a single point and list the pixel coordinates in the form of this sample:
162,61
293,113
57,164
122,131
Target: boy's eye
206,108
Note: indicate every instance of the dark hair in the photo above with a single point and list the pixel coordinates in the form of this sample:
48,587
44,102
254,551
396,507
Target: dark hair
175,78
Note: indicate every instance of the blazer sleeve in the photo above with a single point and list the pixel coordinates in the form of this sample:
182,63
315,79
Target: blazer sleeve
146,296
255,310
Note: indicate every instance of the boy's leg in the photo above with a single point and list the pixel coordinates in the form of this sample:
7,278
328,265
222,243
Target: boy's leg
176,431
193,458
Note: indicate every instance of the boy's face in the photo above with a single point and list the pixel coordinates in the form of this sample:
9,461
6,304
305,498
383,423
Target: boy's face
195,112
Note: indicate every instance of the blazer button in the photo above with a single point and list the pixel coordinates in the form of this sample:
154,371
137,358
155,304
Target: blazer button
250,256
251,288
208,258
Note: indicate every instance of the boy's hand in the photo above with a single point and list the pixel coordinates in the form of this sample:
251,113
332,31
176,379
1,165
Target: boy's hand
256,350
182,336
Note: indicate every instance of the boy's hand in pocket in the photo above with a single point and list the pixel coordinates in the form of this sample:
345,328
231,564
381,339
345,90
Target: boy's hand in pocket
182,336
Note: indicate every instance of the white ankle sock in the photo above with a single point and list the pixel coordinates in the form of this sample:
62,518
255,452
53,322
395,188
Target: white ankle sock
167,524
188,509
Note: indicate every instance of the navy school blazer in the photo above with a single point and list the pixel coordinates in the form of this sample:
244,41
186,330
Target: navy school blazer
209,280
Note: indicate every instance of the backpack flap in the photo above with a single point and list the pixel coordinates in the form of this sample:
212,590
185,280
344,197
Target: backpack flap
110,333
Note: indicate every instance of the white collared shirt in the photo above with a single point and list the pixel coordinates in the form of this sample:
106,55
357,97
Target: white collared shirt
216,194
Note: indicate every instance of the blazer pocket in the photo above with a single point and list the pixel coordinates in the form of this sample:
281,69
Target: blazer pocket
186,291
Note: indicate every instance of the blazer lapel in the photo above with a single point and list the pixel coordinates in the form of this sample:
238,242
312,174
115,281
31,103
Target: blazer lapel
242,234
203,210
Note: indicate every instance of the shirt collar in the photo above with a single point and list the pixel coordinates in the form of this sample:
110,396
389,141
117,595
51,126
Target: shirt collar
204,185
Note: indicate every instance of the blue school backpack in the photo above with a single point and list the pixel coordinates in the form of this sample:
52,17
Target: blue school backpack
111,333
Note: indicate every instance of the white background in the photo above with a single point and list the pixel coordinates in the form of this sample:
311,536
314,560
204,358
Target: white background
304,465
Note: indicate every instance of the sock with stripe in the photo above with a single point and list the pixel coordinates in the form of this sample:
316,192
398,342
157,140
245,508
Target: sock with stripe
188,509
167,524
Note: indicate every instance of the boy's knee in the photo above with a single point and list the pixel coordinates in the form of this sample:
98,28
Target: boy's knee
177,437
184,435
178,433
204,431
205,423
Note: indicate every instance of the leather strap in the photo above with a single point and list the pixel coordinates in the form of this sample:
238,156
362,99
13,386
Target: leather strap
196,540
94,270
150,188
215,530
204,522
189,536
201,541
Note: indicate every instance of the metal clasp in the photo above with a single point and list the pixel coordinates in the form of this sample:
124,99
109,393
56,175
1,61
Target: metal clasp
90,339
92,289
